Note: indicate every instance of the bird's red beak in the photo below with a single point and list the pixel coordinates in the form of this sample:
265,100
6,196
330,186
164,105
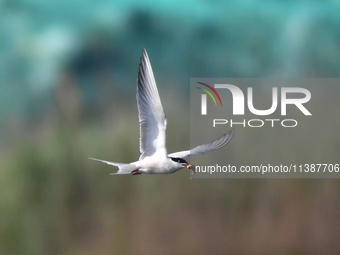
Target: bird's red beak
186,165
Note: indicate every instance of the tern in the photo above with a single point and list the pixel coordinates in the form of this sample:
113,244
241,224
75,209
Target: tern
154,158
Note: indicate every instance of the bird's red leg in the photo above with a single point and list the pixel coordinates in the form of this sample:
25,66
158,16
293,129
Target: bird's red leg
135,172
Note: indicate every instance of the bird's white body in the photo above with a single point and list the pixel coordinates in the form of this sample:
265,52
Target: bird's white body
154,158
155,164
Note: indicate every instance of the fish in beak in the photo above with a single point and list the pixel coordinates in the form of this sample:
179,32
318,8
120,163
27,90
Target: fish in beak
190,167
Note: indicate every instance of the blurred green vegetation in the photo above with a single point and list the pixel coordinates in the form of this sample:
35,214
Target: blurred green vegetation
67,80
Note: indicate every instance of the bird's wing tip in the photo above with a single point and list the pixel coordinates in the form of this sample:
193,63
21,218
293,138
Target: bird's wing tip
94,159
145,54
231,131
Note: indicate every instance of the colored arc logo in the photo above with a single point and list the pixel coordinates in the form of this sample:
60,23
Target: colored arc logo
211,89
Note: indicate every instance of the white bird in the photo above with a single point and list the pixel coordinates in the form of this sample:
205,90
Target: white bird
152,125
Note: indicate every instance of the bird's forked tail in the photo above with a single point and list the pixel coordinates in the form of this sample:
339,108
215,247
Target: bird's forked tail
123,167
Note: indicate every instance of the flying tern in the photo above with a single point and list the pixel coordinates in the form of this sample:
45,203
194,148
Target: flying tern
154,158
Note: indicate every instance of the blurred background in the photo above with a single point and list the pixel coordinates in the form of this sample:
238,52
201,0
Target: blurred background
68,78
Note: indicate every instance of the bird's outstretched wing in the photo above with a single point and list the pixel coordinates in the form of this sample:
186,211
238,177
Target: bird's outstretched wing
152,121
204,148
